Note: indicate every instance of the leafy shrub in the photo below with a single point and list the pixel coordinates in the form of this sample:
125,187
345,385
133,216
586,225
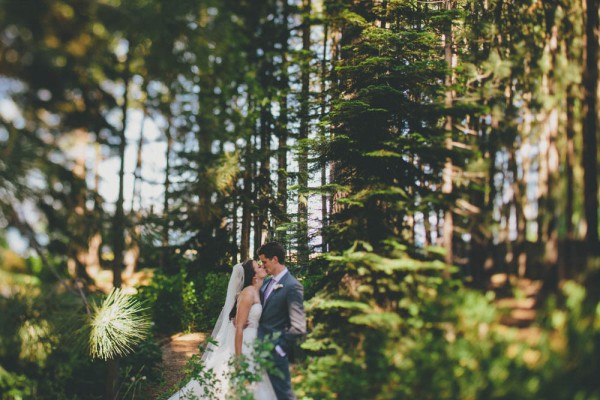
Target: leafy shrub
212,289
178,303
140,370
392,327
173,302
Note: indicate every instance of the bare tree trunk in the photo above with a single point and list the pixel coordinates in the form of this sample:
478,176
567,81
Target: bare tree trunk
137,174
112,374
132,255
78,249
256,223
522,227
246,199
590,130
281,213
234,228
167,185
547,209
336,38
303,195
324,171
264,178
119,219
282,174
93,265
448,234
569,171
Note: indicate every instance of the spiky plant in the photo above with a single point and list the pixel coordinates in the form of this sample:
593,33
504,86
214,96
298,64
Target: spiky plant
116,326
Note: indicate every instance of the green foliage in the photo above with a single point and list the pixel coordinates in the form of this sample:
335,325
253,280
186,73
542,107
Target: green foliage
178,303
210,298
39,350
15,386
44,354
140,369
573,373
172,301
389,333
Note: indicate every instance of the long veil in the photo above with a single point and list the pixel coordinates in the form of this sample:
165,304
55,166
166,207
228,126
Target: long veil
216,356
224,332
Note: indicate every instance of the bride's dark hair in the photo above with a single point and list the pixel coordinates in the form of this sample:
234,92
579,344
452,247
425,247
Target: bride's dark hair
249,273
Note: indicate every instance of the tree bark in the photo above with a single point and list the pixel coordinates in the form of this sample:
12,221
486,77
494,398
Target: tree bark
324,200
167,186
137,174
448,233
112,373
119,218
590,130
303,195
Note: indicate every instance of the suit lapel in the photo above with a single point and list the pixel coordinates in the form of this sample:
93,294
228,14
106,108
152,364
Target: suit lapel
274,292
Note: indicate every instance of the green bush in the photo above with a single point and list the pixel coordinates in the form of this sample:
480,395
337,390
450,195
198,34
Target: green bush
212,289
392,327
178,303
140,370
173,302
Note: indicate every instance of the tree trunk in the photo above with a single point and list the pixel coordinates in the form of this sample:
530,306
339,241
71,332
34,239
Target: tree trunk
336,38
550,160
590,130
234,228
112,373
78,250
282,174
119,219
246,200
303,195
448,234
281,214
570,177
137,174
95,243
324,200
167,185
264,178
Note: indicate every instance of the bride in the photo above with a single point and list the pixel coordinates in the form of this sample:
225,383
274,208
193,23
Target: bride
234,335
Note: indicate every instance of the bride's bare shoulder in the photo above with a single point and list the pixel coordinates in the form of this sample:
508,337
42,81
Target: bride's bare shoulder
247,293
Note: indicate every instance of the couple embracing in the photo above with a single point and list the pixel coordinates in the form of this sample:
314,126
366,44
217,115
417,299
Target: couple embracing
256,307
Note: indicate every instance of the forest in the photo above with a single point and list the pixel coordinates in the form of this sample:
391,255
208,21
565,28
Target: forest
430,166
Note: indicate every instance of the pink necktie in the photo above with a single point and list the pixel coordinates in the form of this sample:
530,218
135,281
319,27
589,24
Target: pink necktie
268,289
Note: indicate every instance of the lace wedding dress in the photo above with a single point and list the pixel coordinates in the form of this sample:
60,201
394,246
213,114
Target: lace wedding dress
216,357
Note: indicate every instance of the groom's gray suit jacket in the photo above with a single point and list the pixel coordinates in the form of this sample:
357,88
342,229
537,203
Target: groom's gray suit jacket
283,312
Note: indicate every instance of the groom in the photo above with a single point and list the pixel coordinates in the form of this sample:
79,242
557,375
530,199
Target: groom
282,297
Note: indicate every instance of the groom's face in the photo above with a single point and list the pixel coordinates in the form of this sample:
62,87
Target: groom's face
267,263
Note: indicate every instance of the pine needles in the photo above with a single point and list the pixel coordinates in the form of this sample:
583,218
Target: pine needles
116,326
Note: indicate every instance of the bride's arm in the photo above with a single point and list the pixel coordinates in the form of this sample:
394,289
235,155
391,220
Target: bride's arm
241,317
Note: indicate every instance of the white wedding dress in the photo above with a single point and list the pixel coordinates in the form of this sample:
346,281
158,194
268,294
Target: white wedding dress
263,390
217,357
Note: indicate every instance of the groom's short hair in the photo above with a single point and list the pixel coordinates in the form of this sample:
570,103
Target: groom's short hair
272,249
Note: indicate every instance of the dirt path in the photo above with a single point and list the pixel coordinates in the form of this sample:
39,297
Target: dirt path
175,354
517,299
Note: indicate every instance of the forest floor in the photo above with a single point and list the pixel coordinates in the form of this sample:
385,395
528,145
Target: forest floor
176,351
516,298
